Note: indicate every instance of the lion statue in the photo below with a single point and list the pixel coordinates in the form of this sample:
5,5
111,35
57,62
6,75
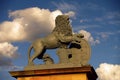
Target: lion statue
61,36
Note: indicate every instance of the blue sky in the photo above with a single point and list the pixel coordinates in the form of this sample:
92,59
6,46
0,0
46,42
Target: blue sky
21,22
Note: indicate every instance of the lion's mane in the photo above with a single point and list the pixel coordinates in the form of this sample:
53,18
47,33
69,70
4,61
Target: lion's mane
62,25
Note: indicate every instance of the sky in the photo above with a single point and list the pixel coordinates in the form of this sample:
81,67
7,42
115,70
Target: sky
23,21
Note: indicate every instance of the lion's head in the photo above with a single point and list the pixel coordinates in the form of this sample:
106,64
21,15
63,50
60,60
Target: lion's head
62,25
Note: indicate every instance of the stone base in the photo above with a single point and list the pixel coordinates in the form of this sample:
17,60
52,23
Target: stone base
75,73
52,66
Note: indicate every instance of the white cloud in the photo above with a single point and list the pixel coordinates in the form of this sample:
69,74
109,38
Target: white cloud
11,31
117,47
108,72
67,8
111,18
71,14
8,50
99,19
114,22
88,37
7,53
105,35
63,6
92,6
84,20
27,24
112,15
10,68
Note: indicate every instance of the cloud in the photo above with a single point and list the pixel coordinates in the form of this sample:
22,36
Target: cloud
114,22
111,18
7,53
8,50
88,37
84,20
113,15
11,68
108,72
11,31
105,35
70,13
65,7
6,64
92,6
27,24
117,47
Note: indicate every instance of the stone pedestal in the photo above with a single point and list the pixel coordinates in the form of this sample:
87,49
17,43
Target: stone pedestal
75,73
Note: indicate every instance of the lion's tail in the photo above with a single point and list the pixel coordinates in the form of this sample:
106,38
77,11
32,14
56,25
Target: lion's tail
29,51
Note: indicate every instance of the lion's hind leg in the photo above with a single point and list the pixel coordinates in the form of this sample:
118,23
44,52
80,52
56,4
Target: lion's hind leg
38,50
